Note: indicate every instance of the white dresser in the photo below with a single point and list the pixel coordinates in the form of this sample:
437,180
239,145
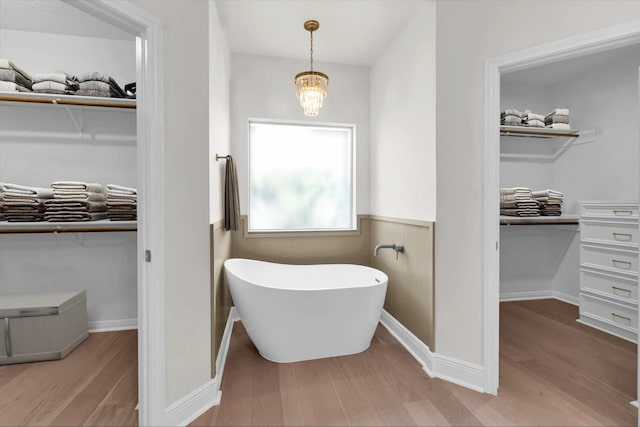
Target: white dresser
609,267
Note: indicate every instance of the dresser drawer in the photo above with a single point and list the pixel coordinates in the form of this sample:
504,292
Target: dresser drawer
622,233
609,285
615,260
610,210
613,313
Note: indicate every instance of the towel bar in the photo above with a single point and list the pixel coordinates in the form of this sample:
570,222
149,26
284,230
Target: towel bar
218,157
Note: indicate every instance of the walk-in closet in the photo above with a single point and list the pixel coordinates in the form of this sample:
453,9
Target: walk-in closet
67,137
584,260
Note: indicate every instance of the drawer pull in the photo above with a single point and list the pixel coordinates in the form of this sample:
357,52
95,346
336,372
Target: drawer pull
622,211
617,261
628,319
629,235
618,288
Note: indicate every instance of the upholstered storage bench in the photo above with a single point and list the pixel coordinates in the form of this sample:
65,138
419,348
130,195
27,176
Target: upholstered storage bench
41,326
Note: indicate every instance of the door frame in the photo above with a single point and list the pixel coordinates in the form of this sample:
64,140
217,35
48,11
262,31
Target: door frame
150,178
593,42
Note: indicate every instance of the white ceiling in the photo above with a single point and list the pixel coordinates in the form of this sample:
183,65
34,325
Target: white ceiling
351,31
55,16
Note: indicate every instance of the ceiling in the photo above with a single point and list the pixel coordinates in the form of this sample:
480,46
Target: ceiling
55,16
351,31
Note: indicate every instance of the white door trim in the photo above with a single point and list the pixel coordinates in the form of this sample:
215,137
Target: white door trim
150,173
597,41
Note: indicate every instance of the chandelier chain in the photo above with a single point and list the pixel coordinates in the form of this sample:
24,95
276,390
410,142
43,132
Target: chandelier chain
311,50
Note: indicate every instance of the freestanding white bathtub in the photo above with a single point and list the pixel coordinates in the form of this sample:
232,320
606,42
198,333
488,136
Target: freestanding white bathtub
304,312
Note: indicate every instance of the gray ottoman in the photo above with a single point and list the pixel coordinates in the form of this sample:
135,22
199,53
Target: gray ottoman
41,326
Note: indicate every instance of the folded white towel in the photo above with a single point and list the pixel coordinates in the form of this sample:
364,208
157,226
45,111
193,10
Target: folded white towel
535,123
514,190
558,112
511,197
559,126
548,193
76,186
16,190
528,115
8,65
113,188
511,112
49,85
12,87
86,196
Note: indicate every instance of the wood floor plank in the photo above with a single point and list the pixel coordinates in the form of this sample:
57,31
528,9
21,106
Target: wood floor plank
424,413
37,397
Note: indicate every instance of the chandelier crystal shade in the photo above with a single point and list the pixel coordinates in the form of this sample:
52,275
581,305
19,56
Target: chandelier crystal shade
311,86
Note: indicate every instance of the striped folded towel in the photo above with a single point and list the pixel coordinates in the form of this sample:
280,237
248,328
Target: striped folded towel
62,186
558,112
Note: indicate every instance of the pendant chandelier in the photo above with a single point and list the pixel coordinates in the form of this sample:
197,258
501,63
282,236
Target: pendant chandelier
311,86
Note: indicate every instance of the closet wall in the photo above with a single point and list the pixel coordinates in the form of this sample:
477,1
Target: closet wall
39,144
601,91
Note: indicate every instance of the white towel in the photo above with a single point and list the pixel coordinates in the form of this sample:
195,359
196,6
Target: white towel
535,123
113,188
559,126
50,77
12,87
76,186
511,112
548,193
528,115
16,190
8,65
86,196
514,190
558,112
49,85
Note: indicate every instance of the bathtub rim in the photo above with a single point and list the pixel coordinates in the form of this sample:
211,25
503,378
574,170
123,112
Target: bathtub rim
383,282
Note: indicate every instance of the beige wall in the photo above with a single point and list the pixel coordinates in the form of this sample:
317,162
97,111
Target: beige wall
220,297
467,33
410,289
308,248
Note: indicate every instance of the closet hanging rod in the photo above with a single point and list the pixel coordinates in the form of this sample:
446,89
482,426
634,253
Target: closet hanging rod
69,100
219,156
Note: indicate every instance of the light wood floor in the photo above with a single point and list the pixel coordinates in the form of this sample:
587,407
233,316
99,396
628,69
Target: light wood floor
95,385
553,371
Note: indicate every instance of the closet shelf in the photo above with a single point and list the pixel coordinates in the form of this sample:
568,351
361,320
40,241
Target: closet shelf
560,142
82,101
533,132
539,220
72,227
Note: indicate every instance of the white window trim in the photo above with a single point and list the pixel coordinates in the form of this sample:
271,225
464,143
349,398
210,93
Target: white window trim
307,231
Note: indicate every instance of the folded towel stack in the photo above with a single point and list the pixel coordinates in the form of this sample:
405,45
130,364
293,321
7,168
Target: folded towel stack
57,83
19,203
518,201
13,79
76,201
550,202
122,203
99,84
533,119
558,119
511,117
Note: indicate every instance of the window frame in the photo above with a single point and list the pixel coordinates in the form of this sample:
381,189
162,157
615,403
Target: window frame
354,228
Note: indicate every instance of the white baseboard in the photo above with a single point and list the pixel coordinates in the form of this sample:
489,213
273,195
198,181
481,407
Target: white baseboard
113,325
196,403
533,295
224,344
202,399
459,372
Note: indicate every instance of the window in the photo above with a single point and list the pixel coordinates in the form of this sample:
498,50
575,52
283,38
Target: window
301,177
